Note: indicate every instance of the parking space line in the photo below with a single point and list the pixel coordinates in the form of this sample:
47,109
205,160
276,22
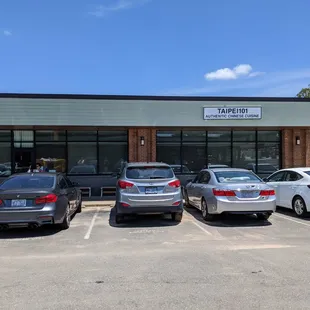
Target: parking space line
292,220
92,223
202,228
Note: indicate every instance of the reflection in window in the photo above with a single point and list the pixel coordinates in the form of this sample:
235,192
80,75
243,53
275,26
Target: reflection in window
111,156
168,136
113,136
5,159
243,154
268,158
219,136
268,136
82,135
169,153
82,157
5,135
194,157
52,156
244,136
193,136
219,153
50,135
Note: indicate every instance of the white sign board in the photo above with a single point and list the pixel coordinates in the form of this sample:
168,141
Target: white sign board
232,112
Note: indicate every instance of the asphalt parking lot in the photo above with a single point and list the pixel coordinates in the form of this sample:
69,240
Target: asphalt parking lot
153,263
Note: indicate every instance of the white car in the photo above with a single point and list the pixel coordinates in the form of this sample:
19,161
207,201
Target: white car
292,187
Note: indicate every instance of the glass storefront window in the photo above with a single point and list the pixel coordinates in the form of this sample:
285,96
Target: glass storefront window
50,135
193,136
5,135
52,156
113,136
82,135
169,153
112,156
268,136
219,136
5,159
82,158
194,157
268,158
23,138
219,153
168,136
244,155
244,136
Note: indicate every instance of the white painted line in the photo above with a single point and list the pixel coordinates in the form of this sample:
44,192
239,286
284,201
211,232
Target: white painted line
292,220
92,223
202,228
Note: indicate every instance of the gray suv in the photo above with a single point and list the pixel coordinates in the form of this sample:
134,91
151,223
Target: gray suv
147,188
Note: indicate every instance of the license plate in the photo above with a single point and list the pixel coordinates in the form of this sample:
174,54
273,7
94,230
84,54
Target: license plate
151,190
19,203
248,194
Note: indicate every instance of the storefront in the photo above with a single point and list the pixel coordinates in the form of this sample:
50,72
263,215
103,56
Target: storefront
89,137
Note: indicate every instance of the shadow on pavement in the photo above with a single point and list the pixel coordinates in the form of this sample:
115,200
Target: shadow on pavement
24,232
291,213
148,220
229,220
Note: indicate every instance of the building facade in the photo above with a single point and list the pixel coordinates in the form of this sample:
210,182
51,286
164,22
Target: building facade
89,137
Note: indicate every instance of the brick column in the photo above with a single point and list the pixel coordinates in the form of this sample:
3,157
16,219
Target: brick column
138,152
307,147
287,148
299,151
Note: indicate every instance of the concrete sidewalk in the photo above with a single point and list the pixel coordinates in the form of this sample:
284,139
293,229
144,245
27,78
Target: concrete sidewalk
99,203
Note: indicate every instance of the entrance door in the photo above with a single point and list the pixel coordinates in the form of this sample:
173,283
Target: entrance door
23,159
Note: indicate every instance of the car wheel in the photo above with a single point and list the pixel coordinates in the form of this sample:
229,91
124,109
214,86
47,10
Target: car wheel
177,216
299,207
204,210
67,220
119,219
263,216
79,208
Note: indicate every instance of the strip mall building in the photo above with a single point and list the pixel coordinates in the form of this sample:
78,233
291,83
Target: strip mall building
88,137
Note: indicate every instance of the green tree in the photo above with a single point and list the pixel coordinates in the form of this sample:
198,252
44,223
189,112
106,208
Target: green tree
304,93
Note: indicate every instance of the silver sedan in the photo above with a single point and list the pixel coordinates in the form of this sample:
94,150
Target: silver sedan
230,190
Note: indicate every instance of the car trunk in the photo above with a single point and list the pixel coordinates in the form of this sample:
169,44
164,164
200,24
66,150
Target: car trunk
20,199
244,191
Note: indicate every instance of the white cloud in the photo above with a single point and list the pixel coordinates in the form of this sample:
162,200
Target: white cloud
271,84
243,70
257,73
103,10
7,33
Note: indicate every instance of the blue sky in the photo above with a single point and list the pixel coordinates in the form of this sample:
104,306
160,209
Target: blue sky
155,47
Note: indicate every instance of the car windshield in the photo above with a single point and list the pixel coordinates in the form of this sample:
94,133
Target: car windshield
149,173
236,177
19,182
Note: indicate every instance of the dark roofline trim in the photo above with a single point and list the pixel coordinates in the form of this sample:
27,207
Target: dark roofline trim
149,97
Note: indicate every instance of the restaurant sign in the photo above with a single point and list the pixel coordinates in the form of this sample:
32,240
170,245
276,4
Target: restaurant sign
232,113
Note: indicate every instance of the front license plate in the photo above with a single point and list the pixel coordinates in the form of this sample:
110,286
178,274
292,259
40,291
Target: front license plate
19,203
151,190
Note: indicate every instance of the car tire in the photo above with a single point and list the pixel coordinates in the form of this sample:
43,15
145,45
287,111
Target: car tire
263,216
177,216
204,211
119,219
67,220
79,208
299,207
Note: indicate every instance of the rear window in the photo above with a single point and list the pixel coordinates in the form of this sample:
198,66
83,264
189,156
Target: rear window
236,177
149,173
20,182
307,172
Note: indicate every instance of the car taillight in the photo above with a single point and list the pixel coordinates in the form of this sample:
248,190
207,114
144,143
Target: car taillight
223,193
124,204
175,183
177,203
46,199
1,202
124,184
268,192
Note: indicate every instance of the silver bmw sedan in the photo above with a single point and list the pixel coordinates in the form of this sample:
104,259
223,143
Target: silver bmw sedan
230,190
